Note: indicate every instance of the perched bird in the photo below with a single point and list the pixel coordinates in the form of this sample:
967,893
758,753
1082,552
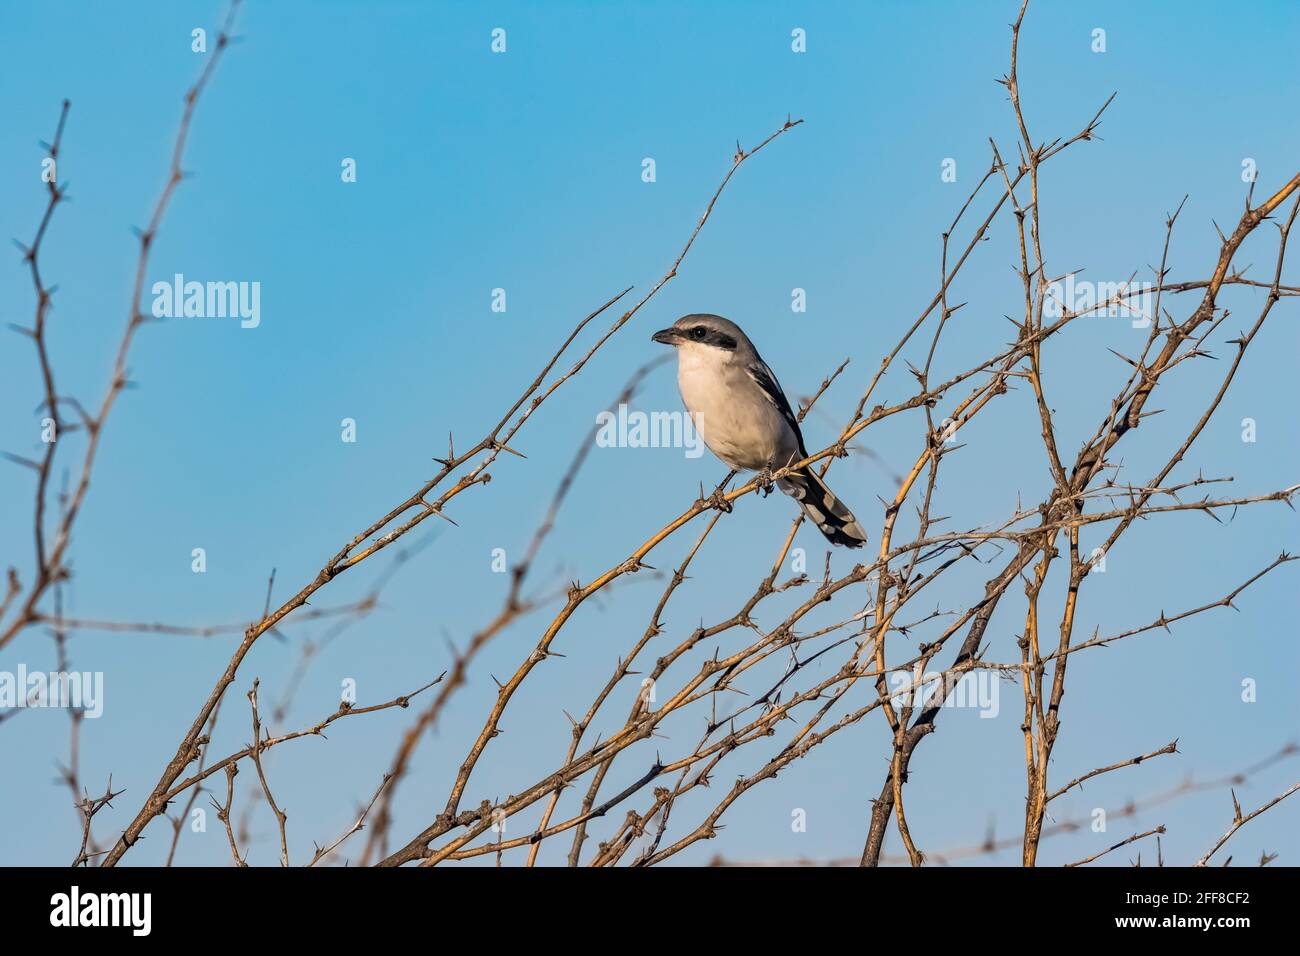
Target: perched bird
745,419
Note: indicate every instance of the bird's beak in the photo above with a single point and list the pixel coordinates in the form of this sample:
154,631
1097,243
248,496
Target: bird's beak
667,336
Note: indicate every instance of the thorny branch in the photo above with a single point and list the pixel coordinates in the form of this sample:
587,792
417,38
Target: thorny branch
832,649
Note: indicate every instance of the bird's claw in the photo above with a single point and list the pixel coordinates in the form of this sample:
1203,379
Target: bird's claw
719,500
764,479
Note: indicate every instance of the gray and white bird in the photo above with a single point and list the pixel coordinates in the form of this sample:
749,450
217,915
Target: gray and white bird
745,419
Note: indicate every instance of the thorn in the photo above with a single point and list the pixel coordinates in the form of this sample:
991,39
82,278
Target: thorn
1124,357
439,512
502,446
19,460
451,454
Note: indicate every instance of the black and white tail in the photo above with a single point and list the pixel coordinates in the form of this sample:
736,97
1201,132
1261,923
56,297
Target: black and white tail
831,516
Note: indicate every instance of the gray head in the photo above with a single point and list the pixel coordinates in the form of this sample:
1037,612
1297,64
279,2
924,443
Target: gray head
702,330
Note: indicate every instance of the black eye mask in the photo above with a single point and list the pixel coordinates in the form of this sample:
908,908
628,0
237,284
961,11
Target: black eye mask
711,337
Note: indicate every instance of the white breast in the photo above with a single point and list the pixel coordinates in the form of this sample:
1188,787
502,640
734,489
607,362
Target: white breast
737,421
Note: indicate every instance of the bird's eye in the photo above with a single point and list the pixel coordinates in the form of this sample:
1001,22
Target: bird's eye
697,332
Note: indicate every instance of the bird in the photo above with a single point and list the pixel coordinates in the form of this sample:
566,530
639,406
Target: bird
745,419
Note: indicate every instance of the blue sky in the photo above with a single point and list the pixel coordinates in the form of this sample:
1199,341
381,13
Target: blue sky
522,171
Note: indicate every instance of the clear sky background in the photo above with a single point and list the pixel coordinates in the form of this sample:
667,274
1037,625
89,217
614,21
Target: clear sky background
523,171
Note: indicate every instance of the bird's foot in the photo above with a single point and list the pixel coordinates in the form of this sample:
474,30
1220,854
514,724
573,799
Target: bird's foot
764,479
718,500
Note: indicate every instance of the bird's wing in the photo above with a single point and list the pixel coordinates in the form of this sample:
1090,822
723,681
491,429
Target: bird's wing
762,376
